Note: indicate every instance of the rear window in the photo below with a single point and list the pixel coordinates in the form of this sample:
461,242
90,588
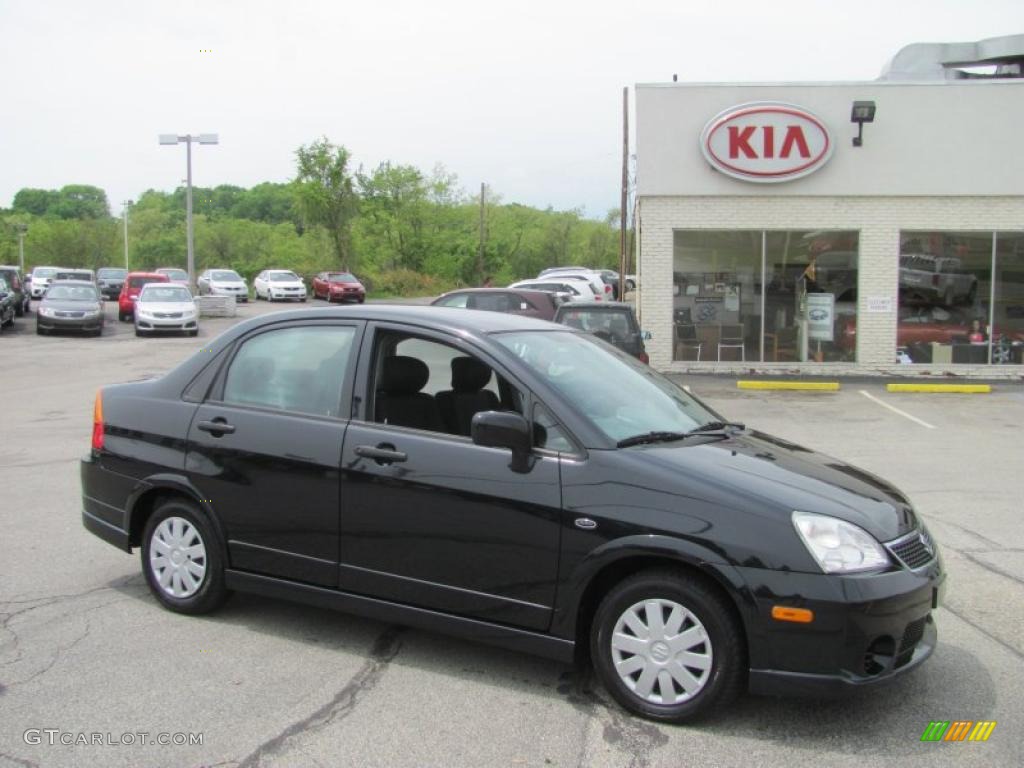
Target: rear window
116,273
138,282
619,325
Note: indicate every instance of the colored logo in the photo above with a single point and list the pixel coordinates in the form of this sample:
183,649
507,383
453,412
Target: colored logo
958,730
766,142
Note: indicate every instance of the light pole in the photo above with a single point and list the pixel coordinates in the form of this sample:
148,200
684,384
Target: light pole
202,138
127,204
22,229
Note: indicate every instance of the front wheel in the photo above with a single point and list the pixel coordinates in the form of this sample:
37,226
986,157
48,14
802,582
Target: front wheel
666,646
181,559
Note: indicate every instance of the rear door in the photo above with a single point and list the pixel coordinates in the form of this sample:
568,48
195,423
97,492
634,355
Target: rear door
266,443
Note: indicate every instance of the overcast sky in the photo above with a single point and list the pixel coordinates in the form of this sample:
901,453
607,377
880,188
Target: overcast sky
523,95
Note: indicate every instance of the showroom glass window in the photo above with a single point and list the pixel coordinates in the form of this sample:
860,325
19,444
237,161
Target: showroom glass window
961,298
765,296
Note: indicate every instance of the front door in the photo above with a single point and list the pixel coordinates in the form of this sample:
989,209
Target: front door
429,518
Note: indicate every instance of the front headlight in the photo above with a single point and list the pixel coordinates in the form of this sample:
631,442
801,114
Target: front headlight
839,546
47,312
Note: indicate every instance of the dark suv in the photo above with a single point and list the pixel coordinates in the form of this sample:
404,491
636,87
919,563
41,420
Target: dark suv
110,281
613,322
16,285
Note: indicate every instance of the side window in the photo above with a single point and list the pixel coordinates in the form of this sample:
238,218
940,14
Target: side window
491,302
459,300
425,384
547,434
292,369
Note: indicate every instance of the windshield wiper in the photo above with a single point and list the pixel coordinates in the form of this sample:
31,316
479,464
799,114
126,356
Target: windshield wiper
717,426
651,437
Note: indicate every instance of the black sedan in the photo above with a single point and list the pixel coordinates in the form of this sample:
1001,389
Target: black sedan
8,304
70,305
516,482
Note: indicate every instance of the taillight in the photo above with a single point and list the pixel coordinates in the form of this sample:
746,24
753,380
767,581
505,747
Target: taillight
644,358
607,288
97,422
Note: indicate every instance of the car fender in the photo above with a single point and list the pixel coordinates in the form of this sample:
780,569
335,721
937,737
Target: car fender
179,484
661,547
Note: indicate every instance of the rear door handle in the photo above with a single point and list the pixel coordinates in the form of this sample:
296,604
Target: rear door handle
384,453
217,427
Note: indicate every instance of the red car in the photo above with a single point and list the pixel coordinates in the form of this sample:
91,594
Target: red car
130,292
338,286
925,325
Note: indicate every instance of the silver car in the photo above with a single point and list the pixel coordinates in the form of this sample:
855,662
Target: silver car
222,282
166,307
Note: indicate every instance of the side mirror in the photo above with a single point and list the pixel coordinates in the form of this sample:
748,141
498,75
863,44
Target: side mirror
646,335
503,429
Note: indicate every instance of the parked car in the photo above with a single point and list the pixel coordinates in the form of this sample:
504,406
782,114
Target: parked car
165,307
133,283
41,277
936,279
279,284
70,305
175,275
573,288
917,324
340,286
84,275
515,482
21,296
222,282
110,281
602,288
8,303
539,304
610,321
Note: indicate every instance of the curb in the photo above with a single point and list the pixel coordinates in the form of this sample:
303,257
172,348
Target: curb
969,389
810,386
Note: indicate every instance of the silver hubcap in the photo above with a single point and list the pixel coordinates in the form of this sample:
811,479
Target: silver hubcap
661,652
177,557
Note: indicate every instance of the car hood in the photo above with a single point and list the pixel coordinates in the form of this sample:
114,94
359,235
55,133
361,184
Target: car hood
336,284
765,473
62,305
165,306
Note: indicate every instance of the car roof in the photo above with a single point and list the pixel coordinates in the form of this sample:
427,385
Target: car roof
524,291
146,274
87,283
602,306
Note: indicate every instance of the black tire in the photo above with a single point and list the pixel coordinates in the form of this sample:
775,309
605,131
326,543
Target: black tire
211,591
40,331
726,676
139,333
19,311
122,317
194,333
362,299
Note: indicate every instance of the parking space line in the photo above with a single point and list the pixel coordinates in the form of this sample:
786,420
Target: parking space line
904,414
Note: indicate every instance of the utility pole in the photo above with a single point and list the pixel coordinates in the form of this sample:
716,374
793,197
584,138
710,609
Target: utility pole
126,204
22,229
623,218
480,250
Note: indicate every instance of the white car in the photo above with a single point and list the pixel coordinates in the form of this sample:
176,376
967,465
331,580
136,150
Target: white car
573,288
279,284
163,307
174,275
41,277
222,282
592,276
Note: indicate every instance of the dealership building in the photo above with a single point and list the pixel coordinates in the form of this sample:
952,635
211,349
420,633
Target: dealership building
823,228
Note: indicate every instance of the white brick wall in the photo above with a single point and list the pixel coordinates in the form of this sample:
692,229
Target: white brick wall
879,221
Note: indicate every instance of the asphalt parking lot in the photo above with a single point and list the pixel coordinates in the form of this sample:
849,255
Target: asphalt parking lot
85,649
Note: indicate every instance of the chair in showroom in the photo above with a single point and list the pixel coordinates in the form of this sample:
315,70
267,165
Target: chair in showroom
731,337
686,338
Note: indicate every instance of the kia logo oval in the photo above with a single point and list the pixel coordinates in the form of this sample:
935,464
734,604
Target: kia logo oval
766,142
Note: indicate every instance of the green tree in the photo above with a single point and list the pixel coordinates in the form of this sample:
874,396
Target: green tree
326,194
81,201
37,202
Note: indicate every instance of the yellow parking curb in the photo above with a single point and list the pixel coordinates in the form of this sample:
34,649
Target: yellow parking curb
970,389
817,386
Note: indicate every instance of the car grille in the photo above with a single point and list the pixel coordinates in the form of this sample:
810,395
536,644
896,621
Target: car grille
71,314
167,315
911,637
915,550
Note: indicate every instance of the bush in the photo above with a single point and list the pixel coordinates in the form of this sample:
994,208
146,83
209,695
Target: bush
403,282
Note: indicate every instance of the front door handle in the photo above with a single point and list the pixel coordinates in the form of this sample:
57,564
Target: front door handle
384,453
217,427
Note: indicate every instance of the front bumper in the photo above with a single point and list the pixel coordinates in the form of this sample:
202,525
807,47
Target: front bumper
240,295
70,323
867,629
286,295
166,324
347,296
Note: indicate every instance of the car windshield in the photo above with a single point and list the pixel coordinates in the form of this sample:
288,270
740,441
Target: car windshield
227,275
620,396
283,277
111,272
74,276
45,272
175,274
609,324
158,292
342,277
72,293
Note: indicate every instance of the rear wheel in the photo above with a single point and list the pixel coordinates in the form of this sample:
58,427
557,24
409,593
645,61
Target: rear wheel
667,647
181,559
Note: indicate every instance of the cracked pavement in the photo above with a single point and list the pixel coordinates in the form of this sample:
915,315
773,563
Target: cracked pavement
84,648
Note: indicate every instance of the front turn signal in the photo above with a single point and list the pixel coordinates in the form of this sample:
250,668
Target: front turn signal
97,422
796,615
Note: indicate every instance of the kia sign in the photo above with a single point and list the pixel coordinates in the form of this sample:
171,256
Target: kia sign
766,142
